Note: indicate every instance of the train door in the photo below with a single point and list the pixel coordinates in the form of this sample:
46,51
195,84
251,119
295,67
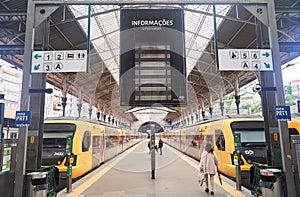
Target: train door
102,147
96,151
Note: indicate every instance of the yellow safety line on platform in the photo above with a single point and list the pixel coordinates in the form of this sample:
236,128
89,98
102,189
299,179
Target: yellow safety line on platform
224,185
80,189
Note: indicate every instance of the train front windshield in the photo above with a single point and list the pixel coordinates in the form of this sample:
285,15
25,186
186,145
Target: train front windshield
54,142
253,140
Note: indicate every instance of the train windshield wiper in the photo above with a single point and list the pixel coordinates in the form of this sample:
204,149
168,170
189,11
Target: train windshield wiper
54,146
247,144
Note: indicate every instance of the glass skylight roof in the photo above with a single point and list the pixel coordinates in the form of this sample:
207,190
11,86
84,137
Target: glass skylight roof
105,34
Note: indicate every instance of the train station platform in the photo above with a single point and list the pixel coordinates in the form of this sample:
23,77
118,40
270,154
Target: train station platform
129,175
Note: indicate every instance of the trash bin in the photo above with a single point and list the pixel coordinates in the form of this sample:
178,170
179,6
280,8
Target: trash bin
271,182
37,184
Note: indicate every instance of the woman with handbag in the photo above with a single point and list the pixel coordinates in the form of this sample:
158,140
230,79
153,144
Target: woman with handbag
208,165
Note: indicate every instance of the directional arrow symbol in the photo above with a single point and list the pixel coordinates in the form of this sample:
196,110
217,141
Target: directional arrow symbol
266,54
267,65
37,67
37,56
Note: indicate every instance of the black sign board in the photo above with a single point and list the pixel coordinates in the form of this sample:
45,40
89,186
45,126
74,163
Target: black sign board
152,57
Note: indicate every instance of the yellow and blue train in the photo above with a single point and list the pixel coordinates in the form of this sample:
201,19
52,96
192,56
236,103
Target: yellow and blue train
92,143
220,132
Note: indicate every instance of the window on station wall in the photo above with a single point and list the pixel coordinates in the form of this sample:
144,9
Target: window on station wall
220,140
86,141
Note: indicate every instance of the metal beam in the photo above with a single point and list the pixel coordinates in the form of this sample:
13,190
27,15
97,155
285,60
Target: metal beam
13,13
289,46
287,10
14,49
118,2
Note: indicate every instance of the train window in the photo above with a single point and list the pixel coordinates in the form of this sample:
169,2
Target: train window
293,131
60,127
209,139
250,131
220,140
86,141
55,134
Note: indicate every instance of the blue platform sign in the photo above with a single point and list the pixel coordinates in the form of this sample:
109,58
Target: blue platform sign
283,113
22,118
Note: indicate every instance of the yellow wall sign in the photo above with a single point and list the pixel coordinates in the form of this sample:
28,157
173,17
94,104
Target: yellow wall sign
32,139
275,137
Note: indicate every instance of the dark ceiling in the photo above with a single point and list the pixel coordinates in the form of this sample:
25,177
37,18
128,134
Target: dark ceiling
236,31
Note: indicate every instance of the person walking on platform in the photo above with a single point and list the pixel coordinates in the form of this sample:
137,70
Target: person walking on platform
160,145
208,165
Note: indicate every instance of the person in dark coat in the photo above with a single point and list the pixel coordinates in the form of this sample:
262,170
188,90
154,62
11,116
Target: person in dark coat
149,147
160,145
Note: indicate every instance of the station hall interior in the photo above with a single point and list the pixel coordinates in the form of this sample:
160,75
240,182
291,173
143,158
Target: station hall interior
97,91
99,87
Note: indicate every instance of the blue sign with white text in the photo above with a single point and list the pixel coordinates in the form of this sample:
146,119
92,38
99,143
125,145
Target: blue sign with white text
283,113
22,118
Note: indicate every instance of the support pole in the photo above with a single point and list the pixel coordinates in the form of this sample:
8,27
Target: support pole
237,103
26,81
2,107
69,173
203,114
222,108
211,111
64,104
64,95
282,128
238,171
152,143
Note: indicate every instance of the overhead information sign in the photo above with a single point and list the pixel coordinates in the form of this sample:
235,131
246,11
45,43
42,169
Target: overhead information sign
245,59
59,61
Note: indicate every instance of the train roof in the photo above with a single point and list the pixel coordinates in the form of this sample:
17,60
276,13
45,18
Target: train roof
80,119
234,116
225,117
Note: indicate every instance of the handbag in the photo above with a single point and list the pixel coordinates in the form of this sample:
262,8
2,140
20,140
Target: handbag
201,178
